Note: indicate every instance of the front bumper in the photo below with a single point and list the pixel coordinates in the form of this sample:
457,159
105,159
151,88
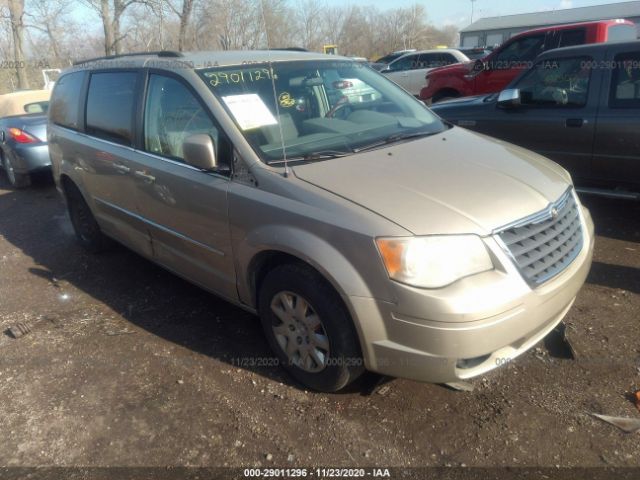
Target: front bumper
30,158
471,327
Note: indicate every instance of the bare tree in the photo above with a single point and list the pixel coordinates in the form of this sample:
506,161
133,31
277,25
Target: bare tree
50,18
16,18
309,18
111,13
183,12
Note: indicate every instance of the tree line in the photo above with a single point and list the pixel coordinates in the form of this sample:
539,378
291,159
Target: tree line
37,34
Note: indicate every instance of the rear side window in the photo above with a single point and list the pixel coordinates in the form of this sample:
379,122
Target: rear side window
110,105
625,81
428,60
65,101
622,33
569,38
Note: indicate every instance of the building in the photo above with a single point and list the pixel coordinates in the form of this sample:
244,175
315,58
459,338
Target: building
493,31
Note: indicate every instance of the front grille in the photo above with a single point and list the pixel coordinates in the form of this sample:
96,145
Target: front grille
544,245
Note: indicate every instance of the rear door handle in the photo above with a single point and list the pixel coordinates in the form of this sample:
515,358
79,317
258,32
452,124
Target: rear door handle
144,176
575,122
121,168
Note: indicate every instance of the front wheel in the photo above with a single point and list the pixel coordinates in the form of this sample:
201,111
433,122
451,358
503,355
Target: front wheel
309,329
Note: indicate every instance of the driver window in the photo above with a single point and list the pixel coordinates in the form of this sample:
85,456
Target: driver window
522,50
560,83
407,62
171,115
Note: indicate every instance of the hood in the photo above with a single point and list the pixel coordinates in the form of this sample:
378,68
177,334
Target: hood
459,102
462,68
453,182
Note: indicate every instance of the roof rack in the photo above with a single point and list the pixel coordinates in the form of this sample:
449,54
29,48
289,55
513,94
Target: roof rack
161,53
290,49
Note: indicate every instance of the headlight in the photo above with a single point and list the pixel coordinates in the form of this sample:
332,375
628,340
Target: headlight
433,261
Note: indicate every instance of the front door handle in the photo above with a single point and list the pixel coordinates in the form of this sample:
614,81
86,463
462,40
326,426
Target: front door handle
121,168
144,176
575,122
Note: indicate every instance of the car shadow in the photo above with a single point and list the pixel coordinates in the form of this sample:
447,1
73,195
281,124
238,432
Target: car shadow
613,218
615,276
144,294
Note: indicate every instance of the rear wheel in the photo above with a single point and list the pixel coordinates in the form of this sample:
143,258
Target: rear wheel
17,180
84,223
309,329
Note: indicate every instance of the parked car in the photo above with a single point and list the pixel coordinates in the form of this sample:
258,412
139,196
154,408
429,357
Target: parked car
365,235
409,70
579,106
23,135
495,71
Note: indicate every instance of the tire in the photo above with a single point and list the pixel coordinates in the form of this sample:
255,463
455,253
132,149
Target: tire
17,180
84,223
330,358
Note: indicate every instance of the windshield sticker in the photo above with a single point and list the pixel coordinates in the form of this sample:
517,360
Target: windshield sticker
285,100
234,77
249,111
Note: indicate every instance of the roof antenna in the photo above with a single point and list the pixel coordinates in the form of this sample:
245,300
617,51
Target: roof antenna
273,85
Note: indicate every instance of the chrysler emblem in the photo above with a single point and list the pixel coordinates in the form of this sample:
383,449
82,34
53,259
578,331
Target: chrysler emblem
554,213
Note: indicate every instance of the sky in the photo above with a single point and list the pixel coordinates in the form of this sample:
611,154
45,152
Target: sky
458,12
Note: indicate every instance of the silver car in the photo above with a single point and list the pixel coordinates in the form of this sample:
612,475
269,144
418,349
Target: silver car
23,135
366,235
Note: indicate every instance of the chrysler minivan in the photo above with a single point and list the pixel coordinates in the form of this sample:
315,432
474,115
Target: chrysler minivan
366,235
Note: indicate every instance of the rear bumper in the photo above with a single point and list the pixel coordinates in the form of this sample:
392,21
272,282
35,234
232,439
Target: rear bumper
487,321
30,158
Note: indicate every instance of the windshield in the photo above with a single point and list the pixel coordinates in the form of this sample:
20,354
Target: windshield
317,108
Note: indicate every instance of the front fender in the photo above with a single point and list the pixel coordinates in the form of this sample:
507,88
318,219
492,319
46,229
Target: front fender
307,247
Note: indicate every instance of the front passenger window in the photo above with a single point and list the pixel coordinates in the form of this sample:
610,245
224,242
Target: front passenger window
172,114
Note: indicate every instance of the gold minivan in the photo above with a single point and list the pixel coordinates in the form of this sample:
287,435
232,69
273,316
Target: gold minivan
365,231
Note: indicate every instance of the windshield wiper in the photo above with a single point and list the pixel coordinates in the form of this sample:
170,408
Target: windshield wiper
313,156
393,139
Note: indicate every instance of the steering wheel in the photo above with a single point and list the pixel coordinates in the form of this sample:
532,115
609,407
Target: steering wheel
340,104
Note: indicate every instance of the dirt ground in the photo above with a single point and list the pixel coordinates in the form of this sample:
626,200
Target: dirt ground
128,365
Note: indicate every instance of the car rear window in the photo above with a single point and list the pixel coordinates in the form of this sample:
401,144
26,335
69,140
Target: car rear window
65,101
36,107
625,81
110,105
569,38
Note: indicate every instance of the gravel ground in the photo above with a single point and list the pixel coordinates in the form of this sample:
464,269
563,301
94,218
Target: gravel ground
128,365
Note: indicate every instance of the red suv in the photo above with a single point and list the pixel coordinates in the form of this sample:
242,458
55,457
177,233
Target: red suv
496,70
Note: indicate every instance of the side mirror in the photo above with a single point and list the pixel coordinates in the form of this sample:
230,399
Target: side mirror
199,151
509,98
478,67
